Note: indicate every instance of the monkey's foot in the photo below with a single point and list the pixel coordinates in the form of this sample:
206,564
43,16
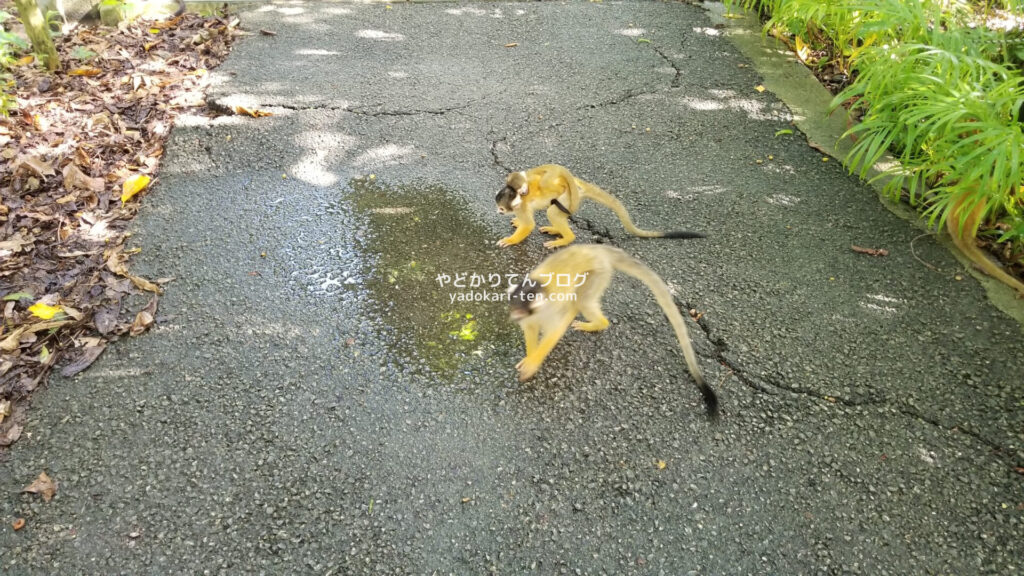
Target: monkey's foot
507,241
595,326
550,230
526,369
558,243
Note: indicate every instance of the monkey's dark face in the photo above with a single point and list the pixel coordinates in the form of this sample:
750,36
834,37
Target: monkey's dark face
504,199
508,198
524,298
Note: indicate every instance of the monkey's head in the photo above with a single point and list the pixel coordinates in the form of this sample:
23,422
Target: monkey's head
508,198
524,299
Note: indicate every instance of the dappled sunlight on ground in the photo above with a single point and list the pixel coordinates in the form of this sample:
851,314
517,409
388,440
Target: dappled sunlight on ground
337,11
316,52
631,32
783,200
882,304
730,100
380,35
386,155
467,10
286,10
320,148
708,31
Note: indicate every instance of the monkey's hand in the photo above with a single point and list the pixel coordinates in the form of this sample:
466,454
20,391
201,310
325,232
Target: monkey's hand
515,222
521,233
526,369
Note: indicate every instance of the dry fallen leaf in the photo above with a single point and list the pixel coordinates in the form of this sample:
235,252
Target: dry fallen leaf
660,464
44,486
13,433
105,319
144,319
86,357
254,112
76,179
132,186
759,88
13,340
85,71
5,409
35,164
18,523
144,284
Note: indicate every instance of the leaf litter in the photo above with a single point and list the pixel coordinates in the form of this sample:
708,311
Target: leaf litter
74,158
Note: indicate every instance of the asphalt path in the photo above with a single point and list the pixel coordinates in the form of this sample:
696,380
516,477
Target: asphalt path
312,400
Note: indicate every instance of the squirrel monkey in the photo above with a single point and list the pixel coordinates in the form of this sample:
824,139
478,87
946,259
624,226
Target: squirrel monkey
553,187
545,312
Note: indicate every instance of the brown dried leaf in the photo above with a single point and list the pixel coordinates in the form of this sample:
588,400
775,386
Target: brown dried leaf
255,113
15,243
144,284
105,319
75,179
144,319
86,357
85,71
44,486
13,340
34,164
82,157
12,435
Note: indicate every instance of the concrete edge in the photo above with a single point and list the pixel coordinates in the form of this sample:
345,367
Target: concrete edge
809,101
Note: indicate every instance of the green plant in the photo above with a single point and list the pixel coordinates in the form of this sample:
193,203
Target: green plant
10,46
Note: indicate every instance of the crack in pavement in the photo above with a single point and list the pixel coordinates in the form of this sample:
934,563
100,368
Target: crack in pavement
627,95
222,109
768,386
494,154
679,73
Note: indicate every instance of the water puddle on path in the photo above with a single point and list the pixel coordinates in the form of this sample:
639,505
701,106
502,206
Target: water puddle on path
434,274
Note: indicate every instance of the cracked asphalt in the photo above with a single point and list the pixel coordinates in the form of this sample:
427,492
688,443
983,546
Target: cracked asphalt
312,401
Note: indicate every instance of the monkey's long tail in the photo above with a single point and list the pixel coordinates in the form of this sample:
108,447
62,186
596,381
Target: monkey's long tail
640,271
592,191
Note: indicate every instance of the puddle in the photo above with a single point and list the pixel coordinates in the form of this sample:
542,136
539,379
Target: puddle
420,241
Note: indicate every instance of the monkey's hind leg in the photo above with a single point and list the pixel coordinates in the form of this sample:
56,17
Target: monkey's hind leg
588,301
559,225
595,319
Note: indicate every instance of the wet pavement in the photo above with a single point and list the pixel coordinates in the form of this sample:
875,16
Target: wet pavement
313,400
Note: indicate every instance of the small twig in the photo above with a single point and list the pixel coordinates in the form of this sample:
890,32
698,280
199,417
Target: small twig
870,251
268,32
914,253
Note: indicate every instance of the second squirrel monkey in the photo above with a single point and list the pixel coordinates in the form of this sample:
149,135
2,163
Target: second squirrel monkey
554,188
545,312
